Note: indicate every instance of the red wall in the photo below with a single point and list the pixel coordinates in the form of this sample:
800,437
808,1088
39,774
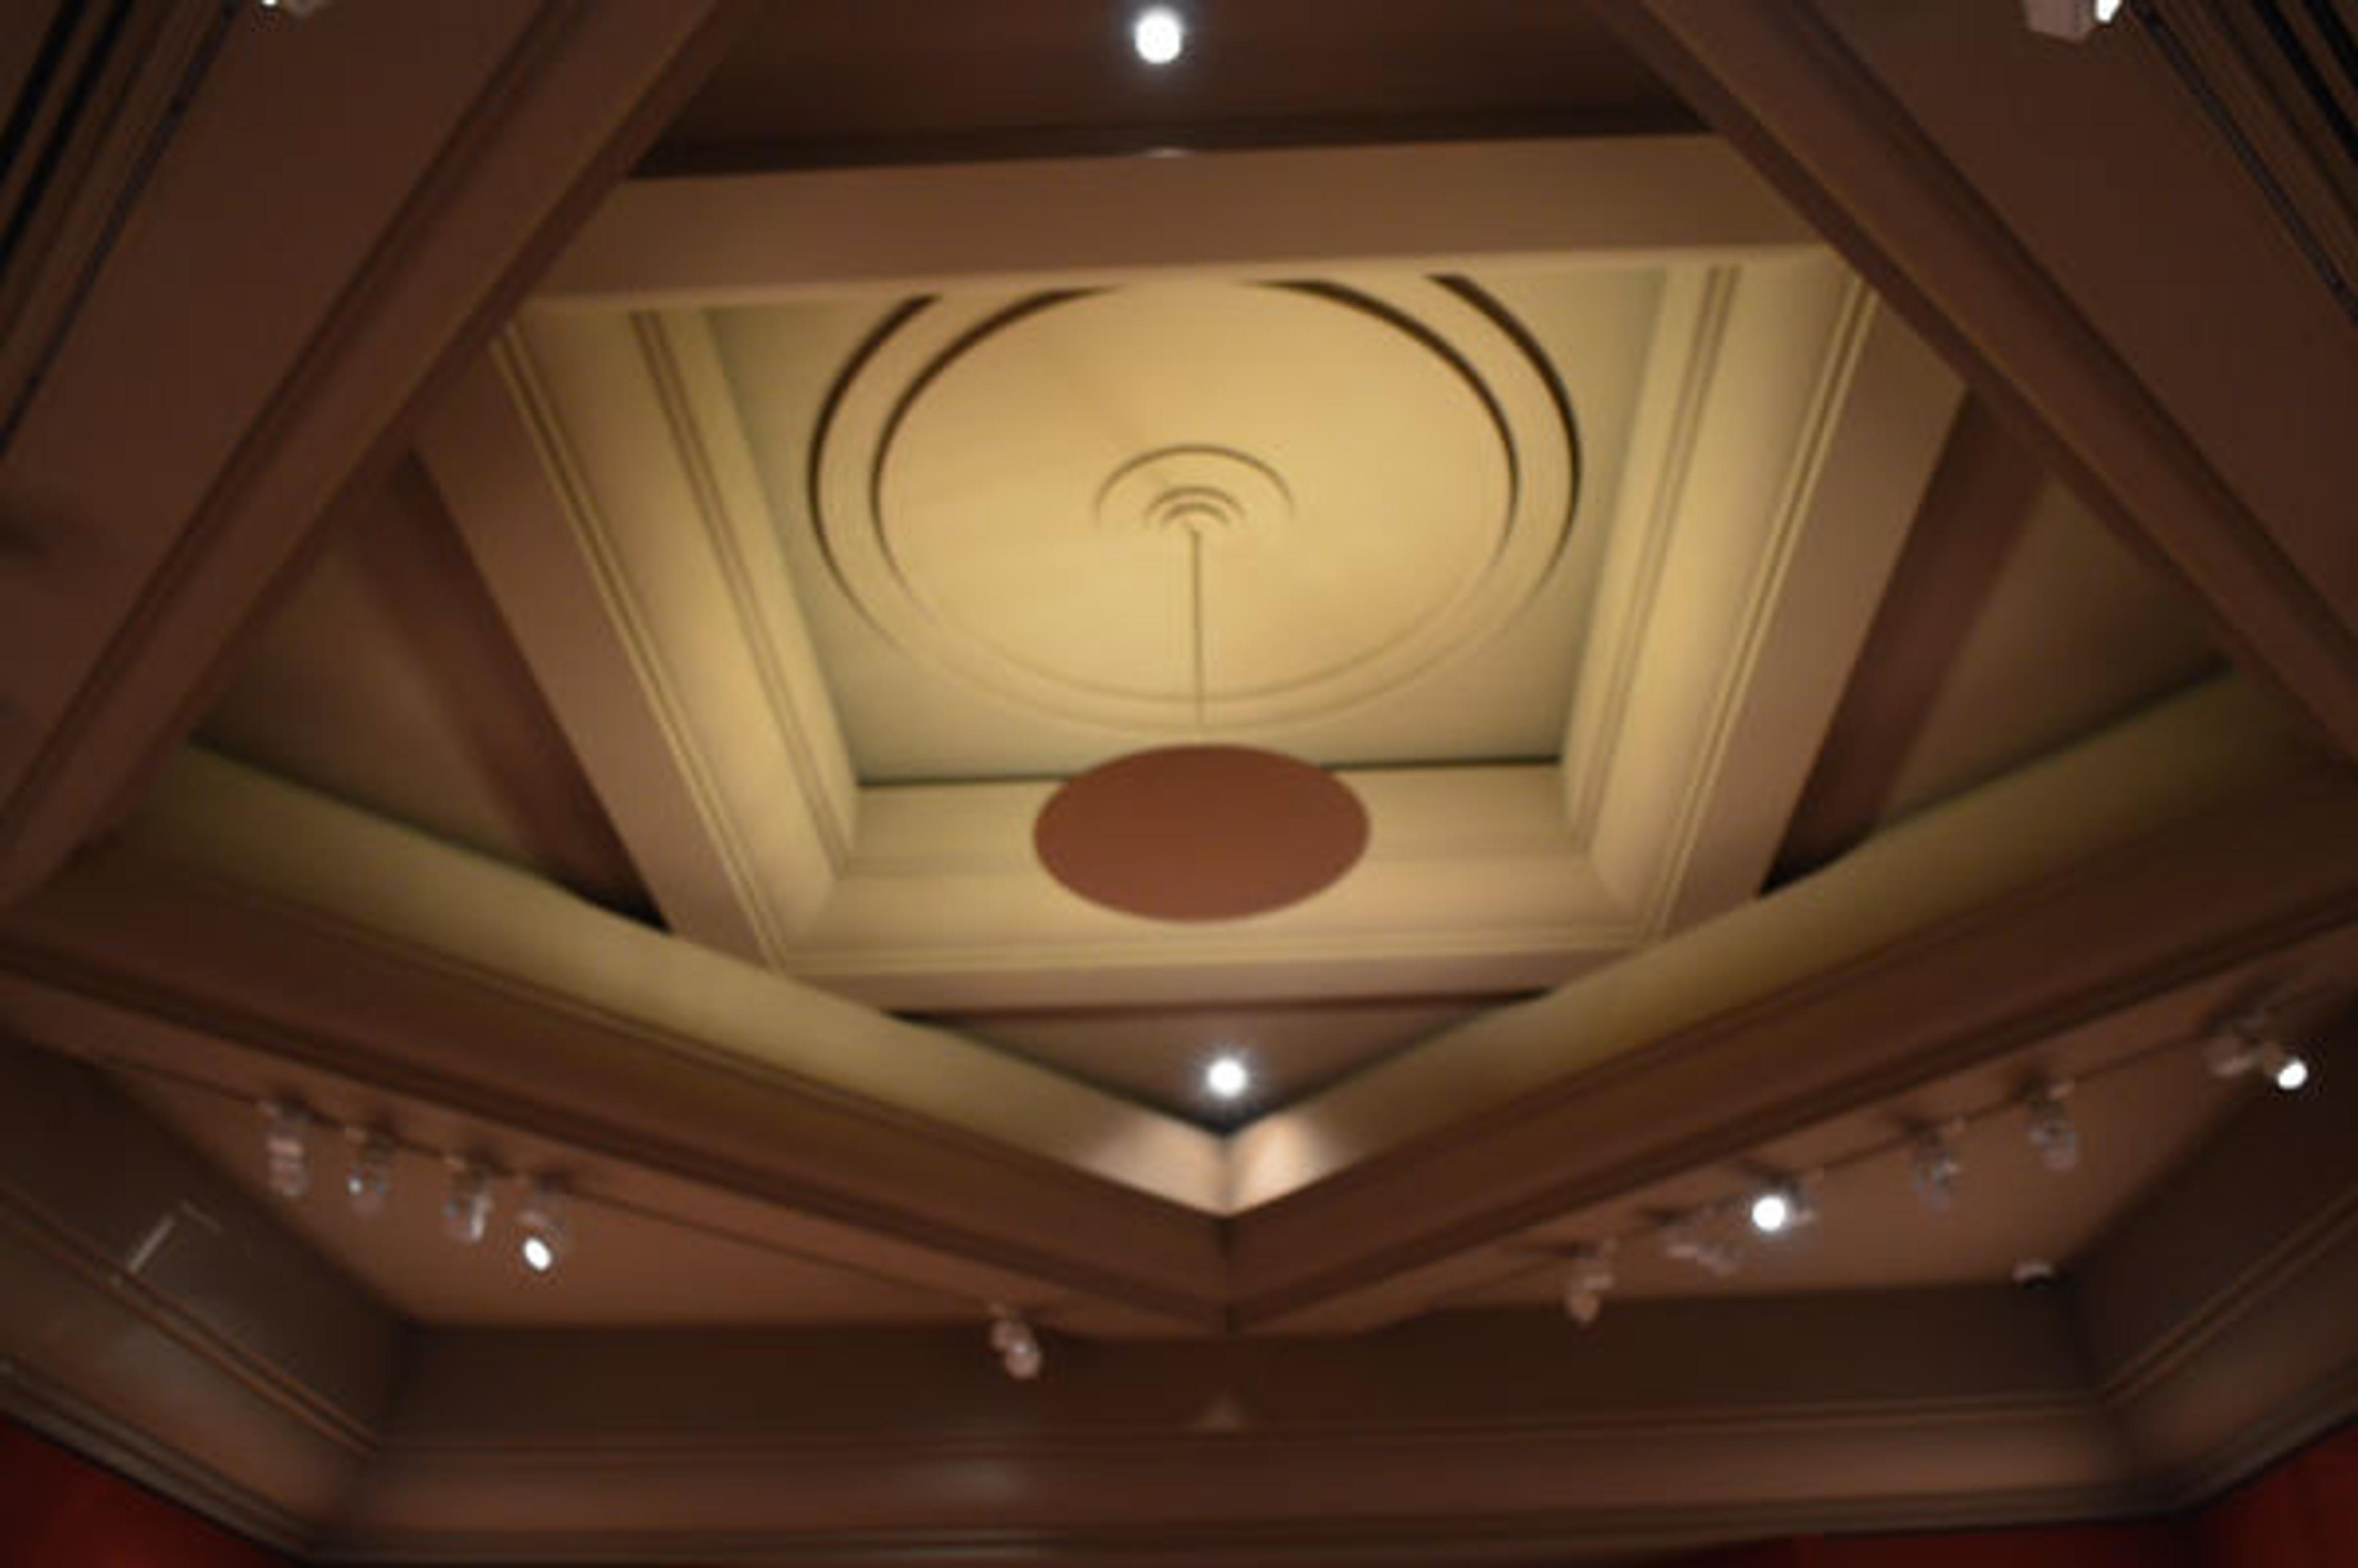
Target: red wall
2302,1514
58,1511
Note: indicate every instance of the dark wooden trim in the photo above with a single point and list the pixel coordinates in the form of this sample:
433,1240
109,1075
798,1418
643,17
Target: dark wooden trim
1973,514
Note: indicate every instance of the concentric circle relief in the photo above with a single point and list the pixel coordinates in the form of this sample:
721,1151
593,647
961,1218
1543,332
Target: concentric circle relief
1219,505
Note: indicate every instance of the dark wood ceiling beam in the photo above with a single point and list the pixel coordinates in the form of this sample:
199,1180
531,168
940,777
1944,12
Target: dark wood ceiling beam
2063,226
1973,512
287,290
2154,939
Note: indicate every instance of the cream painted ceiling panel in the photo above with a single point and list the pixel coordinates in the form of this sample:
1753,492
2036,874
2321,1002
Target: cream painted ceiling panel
1357,521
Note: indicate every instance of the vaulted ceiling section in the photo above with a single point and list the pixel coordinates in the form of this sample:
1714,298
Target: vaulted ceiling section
551,558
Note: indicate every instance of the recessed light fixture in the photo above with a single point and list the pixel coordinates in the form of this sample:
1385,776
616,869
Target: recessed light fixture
1159,35
1227,1077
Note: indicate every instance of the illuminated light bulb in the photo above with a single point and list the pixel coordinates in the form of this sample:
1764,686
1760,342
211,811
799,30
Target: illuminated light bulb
547,1237
2247,1046
1227,1076
1779,1208
2281,1067
1159,35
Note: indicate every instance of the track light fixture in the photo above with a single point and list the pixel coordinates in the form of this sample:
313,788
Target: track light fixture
1591,1277
1683,1242
546,1237
369,1181
1936,1168
2053,1133
286,1146
1017,1346
2070,20
2248,1046
467,1207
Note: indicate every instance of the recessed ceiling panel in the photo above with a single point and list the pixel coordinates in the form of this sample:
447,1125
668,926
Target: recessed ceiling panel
1354,520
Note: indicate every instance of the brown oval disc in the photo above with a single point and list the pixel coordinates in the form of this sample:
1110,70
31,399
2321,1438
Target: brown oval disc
1201,832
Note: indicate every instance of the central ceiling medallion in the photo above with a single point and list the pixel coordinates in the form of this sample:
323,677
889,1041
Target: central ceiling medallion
1194,508
1201,832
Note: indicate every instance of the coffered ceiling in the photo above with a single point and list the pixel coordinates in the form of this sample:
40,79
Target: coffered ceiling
572,680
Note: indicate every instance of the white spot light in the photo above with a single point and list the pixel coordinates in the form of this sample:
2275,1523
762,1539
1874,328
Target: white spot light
546,1236
1227,1077
1771,1212
1158,35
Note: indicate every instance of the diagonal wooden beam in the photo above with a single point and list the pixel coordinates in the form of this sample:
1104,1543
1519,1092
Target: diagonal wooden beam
2119,294
341,263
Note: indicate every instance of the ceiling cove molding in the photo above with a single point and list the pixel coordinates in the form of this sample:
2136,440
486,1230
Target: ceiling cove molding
1854,446
698,241
2103,380
137,578
163,1240
1690,326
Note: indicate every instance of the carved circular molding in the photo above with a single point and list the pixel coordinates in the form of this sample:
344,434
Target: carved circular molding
1201,832
1179,506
